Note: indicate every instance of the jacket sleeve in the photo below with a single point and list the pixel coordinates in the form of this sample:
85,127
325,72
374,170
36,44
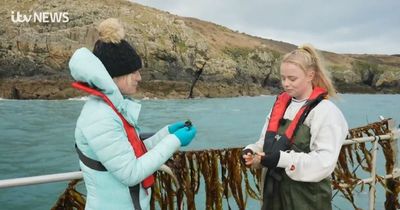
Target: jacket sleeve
156,138
328,131
107,139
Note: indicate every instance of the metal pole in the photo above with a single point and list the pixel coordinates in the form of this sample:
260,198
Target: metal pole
367,139
40,179
395,174
373,176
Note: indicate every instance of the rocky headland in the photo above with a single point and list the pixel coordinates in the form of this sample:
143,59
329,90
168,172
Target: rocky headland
34,55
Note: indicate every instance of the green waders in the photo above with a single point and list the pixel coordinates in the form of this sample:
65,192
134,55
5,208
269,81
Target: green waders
288,194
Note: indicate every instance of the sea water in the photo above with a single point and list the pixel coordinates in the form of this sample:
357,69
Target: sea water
37,137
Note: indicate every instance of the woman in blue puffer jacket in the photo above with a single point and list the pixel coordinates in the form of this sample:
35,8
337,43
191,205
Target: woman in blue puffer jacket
117,176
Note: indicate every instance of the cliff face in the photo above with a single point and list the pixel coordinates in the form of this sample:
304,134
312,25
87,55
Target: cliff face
34,55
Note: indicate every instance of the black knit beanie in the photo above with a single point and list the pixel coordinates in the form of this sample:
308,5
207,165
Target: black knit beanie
116,54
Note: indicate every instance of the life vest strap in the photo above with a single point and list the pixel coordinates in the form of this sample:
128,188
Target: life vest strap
89,162
135,192
98,166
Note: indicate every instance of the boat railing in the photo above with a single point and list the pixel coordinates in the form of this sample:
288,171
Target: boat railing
393,135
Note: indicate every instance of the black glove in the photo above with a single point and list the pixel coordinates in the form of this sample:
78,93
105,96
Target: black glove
270,161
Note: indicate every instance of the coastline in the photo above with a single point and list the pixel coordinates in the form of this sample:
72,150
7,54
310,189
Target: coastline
58,89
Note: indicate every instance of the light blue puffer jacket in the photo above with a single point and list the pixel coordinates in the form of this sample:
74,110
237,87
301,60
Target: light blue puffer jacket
100,135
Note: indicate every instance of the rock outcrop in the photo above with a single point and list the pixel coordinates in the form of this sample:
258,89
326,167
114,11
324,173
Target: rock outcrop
34,55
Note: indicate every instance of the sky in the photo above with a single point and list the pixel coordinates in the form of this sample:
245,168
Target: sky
341,26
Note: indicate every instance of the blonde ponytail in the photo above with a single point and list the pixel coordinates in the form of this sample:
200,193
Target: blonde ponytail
307,58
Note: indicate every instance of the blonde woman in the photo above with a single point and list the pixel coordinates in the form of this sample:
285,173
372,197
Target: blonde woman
302,137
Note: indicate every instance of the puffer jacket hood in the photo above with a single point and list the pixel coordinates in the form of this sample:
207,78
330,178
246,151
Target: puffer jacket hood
86,67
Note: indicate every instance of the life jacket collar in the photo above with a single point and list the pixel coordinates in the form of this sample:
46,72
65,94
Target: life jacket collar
282,102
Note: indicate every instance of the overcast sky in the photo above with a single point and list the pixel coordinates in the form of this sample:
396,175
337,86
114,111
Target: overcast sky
341,26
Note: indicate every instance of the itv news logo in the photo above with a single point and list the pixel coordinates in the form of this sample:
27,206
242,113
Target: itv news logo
40,17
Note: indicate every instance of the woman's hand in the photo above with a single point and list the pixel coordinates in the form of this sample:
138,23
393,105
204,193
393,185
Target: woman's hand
250,158
186,134
175,126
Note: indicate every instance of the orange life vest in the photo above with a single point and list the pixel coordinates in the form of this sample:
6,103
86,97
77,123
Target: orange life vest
275,142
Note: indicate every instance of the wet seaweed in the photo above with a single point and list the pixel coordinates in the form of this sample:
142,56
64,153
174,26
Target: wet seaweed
71,199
